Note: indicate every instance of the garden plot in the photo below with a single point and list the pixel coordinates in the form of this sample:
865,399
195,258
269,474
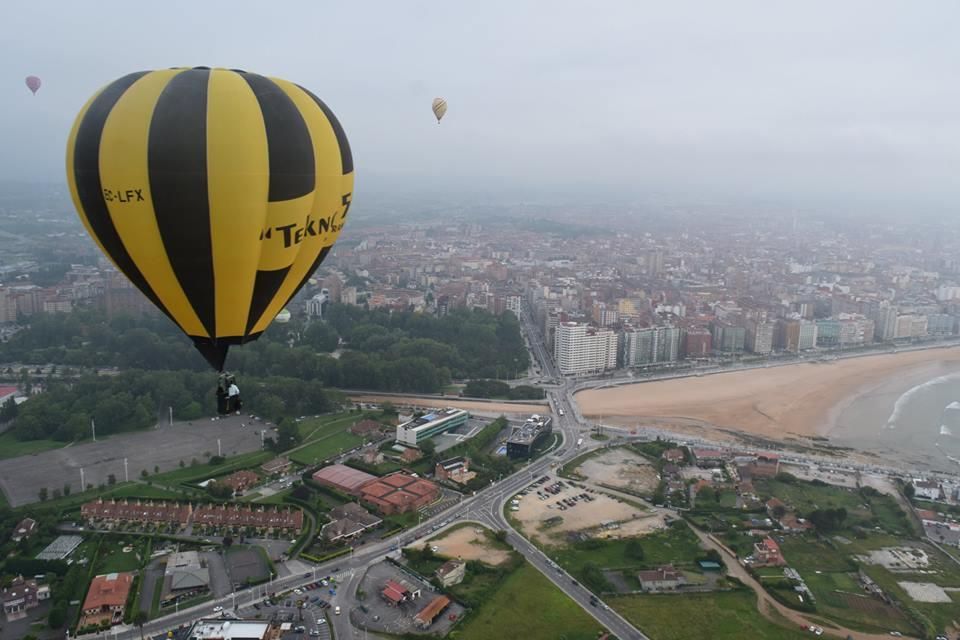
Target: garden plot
899,559
621,469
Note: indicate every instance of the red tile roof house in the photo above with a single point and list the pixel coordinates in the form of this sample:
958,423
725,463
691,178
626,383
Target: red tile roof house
767,553
665,578
106,599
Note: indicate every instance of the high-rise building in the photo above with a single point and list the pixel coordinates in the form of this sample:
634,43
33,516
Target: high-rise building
654,262
941,324
698,343
8,306
651,346
795,334
885,322
582,349
727,338
759,337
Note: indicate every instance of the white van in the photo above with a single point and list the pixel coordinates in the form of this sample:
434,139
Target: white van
336,610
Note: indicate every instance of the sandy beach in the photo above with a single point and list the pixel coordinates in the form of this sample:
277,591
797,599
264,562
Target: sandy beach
805,399
482,408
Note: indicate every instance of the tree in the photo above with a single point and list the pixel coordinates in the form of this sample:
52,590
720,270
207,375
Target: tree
111,479
182,464
56,494
43,494
140,618
779,511
428,447
58,615
227,541
144,473
66,488
634,550
156,468
909,490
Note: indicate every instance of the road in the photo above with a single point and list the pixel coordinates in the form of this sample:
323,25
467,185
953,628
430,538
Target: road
487,508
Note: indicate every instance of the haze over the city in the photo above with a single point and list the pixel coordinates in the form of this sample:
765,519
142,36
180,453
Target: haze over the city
851,104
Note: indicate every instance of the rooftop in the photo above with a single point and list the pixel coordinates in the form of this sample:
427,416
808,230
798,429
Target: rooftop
344,476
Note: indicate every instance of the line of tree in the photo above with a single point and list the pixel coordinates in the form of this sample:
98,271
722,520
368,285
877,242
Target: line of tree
500,389
137,399
400,351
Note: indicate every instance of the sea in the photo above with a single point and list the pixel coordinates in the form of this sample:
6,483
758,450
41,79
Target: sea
913,418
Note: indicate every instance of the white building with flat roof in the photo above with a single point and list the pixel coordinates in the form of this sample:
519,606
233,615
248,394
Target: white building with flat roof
216,629
413,432
582,349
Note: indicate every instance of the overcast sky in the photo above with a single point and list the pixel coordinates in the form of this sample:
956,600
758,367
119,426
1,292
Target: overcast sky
834,100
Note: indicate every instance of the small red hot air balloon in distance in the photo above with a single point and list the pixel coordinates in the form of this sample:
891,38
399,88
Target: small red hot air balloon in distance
33,83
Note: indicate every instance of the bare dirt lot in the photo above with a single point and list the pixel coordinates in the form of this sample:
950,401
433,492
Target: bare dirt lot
469,543
164,447
603,516
620,468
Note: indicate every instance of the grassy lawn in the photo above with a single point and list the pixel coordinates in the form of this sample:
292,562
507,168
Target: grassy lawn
330,445
512,612
808,555
276,498
157,593
730,615
203,470
112,559
10,447
140,490
316,428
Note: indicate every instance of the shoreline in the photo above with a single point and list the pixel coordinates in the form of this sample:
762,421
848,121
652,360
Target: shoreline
806,399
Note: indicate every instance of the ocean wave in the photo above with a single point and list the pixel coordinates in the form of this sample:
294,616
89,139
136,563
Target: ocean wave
901,402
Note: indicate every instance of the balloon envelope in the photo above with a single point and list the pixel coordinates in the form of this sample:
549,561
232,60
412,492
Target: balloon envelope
439,108
216,192
33,83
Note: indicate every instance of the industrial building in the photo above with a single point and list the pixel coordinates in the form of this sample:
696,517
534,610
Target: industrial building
524,438
415,431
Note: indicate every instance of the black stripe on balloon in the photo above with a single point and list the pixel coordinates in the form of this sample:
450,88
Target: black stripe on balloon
346,157
86,175
177,163
292,168
313,267
265,287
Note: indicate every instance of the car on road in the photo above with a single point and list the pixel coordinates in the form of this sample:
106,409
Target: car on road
336,610
314,633
321,621
298,591
217,609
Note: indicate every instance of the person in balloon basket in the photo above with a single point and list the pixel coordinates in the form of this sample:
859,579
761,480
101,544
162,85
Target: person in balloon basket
222,399
233,397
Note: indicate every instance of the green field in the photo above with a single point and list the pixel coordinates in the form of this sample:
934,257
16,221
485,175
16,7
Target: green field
729,615
326,447
518,608
203,470
10,447
677,545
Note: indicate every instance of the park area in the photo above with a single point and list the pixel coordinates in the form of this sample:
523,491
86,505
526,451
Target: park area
325,437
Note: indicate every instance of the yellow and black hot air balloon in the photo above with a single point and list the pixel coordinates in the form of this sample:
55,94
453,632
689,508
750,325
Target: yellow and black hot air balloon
216,192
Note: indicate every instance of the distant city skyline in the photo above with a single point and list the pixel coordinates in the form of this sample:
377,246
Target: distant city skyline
851,105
